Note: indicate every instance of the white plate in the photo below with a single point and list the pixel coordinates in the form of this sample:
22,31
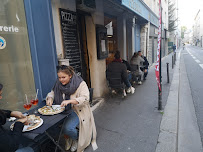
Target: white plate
54,107
25,128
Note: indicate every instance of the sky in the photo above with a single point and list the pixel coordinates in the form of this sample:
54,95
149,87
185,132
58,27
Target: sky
187,11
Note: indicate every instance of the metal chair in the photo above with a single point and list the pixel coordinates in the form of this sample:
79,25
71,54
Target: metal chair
135,72
115,83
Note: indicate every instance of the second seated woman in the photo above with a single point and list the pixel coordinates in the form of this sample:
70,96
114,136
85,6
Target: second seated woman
70,90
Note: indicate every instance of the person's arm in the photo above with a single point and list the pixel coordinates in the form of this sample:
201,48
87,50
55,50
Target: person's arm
3,115
82,97
124,73
141,59
50,98
146,63
11,140
127,65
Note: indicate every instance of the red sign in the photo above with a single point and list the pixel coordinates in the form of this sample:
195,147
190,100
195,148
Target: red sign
157,72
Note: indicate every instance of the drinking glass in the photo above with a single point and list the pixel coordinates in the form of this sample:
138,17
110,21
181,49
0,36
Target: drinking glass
34,100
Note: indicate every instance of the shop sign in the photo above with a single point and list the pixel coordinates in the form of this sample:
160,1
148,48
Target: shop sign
68,20
2,43
9,29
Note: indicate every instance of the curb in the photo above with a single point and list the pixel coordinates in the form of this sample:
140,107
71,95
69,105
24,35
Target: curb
99,101
167,141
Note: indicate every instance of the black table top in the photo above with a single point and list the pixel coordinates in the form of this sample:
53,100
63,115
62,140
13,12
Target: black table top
48,122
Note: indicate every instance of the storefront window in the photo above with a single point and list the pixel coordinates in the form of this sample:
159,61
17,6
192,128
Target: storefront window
16,73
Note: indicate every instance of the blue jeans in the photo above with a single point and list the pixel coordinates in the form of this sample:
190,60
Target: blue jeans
127,82
70,124
129,76
25,149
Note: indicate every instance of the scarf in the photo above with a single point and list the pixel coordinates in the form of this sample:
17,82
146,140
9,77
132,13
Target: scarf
117,60
67,89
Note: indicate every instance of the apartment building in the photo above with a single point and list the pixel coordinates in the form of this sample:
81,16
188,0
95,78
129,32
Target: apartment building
153,30
198,29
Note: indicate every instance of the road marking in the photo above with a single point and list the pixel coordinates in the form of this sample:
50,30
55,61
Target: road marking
194,58
198,61
201,65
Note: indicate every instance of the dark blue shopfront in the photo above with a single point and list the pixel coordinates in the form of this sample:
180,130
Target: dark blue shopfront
42,44
28,59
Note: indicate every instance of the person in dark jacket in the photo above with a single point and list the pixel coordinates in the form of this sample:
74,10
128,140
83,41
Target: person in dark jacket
10,141
174,47
118,67
127,65
145,66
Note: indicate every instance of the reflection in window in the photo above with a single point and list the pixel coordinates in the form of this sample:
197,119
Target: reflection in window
16,73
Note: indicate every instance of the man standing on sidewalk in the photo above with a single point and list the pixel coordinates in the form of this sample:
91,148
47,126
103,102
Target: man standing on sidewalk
174,48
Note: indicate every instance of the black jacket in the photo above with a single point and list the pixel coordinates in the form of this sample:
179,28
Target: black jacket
9,140
117,68
145,63
127,65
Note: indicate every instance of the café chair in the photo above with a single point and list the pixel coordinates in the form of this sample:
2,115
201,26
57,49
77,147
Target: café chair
115,84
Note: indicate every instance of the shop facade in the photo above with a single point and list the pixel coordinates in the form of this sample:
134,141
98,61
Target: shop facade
85,34
146,26
39,35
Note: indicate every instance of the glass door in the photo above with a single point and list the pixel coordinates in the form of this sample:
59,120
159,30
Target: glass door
16,73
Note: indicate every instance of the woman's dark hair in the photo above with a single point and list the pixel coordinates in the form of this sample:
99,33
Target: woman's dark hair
66,69
117,55
1,86
135,54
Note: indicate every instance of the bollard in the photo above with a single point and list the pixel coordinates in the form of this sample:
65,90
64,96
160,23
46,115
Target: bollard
172,61
167,65
175,58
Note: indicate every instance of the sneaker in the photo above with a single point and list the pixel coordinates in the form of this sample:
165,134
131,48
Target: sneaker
140,82
74,146
124,93
113,92
128,90
132,90
68,143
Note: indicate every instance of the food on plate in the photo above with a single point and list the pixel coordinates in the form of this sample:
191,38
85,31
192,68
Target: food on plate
33,123
51,110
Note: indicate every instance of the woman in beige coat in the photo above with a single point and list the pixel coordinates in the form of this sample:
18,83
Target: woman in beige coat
72,92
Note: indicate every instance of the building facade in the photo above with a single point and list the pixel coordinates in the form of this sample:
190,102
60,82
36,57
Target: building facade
153,30
174,35
198,29
39,35
36,36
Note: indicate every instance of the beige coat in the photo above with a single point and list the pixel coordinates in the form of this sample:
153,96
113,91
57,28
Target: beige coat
87,131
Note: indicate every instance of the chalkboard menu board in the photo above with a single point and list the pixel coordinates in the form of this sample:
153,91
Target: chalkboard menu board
70,38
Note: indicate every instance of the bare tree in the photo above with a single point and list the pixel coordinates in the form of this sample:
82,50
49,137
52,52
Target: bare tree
183,30
171,17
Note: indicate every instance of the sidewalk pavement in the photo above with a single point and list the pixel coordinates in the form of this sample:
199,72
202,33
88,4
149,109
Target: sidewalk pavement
179,131
133,124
